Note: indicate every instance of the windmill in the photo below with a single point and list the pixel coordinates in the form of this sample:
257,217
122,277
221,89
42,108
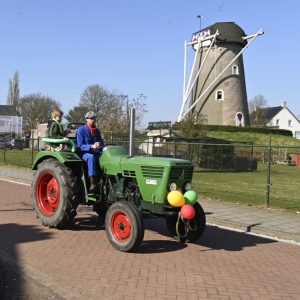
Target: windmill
216,86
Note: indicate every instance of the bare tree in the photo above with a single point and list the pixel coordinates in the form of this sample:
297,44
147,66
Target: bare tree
14,91
96,98
256,103
36,109
258,110
140,107
76,114
112,107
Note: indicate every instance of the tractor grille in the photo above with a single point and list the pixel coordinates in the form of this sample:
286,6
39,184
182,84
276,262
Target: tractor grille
182,172
129,173
152,171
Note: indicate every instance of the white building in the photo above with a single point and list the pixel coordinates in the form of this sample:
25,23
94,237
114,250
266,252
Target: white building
281,117
155,136
10,121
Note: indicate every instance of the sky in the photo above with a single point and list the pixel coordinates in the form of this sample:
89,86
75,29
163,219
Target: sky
59,47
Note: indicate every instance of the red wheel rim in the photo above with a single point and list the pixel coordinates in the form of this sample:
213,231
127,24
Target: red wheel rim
47,192
120,226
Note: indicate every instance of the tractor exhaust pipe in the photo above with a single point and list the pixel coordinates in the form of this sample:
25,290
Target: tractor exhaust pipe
131,132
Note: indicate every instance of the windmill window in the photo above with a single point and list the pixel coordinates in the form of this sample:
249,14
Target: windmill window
277,122
290,123
235,70
219,95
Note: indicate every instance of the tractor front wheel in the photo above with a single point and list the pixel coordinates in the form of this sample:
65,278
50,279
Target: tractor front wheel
187,232
54,193
197,224
124,226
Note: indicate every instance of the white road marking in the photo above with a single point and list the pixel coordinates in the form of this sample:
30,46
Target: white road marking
13,181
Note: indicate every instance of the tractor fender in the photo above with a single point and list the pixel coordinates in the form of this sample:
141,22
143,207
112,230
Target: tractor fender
62,157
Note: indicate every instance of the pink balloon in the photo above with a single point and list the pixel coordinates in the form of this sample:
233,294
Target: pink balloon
187,211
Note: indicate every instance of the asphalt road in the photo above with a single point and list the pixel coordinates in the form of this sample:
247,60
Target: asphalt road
79,263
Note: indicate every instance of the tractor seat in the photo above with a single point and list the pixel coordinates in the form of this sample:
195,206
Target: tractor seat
59,144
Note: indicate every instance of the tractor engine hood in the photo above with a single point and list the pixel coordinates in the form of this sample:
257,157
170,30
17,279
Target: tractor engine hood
115,160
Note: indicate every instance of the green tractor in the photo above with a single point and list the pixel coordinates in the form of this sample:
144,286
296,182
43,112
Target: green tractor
129,188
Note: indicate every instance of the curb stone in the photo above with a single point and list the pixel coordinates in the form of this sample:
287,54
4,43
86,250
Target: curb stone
268,233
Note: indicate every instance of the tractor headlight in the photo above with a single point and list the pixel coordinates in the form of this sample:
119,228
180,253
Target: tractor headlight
172,186
187,186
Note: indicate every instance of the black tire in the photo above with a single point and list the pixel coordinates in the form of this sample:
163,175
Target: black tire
196,225
101,209
55,194
171,225
124,226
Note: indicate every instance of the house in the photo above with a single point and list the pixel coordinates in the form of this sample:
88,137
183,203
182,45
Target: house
10,121
277,117
157,131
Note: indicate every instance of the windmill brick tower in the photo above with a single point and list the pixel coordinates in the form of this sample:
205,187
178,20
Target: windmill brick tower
216,88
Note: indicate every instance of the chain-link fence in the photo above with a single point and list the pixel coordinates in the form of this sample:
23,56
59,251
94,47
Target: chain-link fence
237,172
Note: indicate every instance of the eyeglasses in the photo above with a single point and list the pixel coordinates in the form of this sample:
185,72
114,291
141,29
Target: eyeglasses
92,118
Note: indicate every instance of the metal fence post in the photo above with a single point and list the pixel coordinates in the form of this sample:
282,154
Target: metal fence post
148,146
32,150
174,147
269,172
221,158
4,151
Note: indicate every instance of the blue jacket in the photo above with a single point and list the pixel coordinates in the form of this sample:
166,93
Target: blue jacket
85,140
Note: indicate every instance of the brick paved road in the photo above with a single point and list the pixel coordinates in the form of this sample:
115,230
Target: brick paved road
80,263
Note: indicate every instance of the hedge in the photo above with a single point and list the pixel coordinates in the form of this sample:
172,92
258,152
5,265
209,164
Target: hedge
245,129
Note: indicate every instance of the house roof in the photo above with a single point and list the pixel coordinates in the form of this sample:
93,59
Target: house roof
268,113
159,125
265,114
271,112
8,110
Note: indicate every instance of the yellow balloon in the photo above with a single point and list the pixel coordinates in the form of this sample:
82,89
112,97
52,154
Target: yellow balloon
175,198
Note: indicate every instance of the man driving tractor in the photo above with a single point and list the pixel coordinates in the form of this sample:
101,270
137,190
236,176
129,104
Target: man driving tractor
90,143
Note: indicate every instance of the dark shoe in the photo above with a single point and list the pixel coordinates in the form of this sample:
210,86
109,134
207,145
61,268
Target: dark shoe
92,187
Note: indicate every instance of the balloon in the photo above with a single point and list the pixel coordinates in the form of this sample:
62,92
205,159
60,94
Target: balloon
175,198
190,197
187,211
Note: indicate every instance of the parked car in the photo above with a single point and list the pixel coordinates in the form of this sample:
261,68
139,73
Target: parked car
11,143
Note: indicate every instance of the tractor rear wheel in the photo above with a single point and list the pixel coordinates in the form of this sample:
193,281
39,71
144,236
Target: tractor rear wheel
124,226
54,193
